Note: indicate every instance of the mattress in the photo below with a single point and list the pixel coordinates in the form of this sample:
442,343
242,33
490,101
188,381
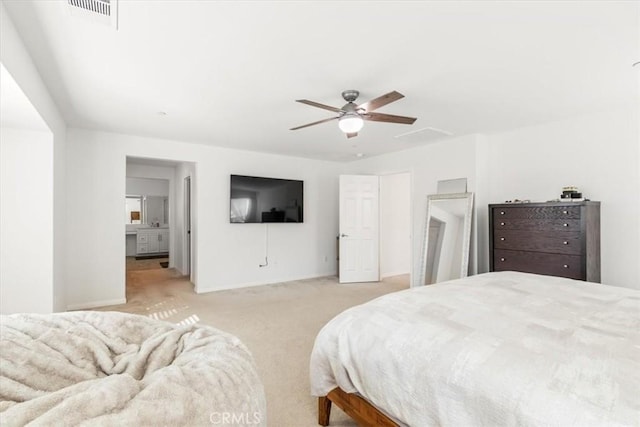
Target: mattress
494,349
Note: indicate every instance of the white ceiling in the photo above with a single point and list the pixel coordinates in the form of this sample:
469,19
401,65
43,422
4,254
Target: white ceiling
227,72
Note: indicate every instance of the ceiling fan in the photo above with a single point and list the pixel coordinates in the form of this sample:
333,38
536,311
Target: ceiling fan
351,117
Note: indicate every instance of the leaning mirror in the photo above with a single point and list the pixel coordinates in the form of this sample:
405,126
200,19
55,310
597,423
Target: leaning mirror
445,253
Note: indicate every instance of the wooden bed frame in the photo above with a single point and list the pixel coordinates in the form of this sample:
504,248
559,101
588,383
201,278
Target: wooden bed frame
362,412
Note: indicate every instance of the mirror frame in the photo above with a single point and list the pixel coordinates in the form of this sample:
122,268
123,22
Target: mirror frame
466,244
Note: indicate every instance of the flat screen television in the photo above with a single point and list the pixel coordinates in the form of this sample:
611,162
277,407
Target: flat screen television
259,200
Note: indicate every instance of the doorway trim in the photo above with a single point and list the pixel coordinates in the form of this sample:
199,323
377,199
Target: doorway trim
187,243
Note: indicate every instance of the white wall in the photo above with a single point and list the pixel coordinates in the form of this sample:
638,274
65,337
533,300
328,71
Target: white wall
15,57
26,221
148,186
599,154
226,255
395,224
453,158
533,163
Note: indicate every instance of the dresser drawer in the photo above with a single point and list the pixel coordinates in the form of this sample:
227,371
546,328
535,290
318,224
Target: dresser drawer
541,212
143,238
539,241
536,224
569,266
142,248
555,238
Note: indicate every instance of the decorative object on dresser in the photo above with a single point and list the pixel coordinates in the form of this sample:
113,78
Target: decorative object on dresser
571,193
552,238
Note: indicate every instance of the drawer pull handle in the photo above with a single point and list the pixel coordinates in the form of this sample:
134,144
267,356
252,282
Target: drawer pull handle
501,212
502,259
565,225
502,238
566,266
565,212
565,243
502,223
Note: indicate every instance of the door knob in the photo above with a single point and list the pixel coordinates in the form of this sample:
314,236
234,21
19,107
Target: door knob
344,235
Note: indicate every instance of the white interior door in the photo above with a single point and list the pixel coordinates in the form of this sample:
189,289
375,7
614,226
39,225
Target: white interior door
359,240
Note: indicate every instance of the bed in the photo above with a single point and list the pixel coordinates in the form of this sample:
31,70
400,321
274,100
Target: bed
494,349
108,368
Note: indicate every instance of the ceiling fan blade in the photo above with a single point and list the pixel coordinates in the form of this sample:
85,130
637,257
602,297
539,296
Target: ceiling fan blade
380,101
314,123
316,104
389,118
352,134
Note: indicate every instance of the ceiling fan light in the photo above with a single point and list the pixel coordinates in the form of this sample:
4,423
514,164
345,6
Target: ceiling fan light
350,123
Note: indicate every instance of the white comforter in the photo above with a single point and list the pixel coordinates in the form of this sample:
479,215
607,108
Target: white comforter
116,369
495,349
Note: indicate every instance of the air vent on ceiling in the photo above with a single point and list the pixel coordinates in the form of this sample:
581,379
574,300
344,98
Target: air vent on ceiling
103,7
427,134
104,11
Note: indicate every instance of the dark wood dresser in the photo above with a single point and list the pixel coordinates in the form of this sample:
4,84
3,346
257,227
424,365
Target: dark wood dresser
554,238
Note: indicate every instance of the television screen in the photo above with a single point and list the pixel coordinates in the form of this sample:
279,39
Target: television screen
257,200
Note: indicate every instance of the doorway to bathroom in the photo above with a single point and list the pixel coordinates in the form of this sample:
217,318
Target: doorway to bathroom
147,223
155,222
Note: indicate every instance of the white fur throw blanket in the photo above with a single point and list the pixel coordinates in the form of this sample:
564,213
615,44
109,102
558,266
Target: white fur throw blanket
107,368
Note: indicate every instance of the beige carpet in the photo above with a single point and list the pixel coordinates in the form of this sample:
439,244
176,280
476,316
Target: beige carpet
278,323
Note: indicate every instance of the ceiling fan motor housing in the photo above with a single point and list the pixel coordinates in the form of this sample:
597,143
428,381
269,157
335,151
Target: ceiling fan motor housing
350,95
349,108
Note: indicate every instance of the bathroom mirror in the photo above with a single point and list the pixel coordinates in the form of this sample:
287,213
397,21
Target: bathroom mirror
156,210
146,210
445,252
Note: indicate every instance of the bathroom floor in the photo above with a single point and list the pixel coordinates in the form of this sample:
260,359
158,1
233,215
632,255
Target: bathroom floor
134,264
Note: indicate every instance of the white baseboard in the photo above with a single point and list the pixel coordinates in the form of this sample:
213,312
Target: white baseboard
200,290
393,273
94,304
